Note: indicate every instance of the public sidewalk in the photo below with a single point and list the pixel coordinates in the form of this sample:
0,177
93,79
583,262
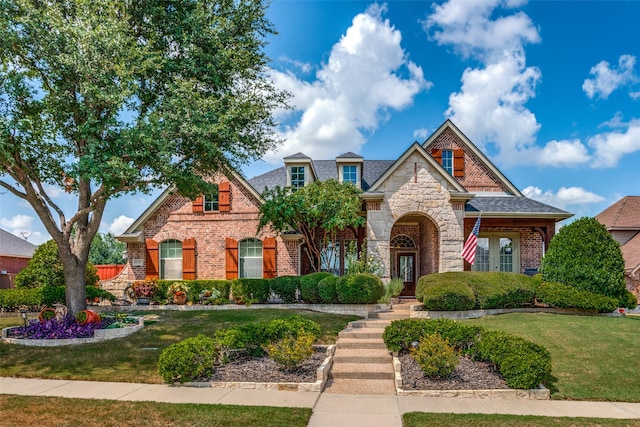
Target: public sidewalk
335,410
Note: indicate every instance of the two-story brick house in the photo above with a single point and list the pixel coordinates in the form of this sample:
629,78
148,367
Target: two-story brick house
419,208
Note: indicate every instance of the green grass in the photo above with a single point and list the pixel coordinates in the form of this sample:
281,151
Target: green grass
58,411
593,357
135,358
420,419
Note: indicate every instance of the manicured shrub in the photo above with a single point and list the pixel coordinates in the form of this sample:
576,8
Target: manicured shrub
289,352
435,356
251,289
33,298
500,289
522,364
277,329
286,287
309,286
402,334
188,360
362,288
94,292
584,255
327,290
448,296
45,269
630,301
565,296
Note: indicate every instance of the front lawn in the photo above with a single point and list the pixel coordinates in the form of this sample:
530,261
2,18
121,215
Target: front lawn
419,419
135,358
58,411
593,357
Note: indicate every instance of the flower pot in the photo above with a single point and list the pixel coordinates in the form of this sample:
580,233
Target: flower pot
180,298
143,300
46,314
87,316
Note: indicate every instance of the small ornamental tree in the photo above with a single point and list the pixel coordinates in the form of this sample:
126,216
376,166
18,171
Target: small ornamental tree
584,255
105,249
45,269
318,211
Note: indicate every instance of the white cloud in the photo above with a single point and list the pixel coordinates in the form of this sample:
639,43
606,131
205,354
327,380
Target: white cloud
564,197
607,79
22,226
353,92
611,146
120,225
421,134
561,153
490,106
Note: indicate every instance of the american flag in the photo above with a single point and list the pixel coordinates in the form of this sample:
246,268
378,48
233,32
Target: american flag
469,249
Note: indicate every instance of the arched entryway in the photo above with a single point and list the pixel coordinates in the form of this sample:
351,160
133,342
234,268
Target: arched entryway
414,249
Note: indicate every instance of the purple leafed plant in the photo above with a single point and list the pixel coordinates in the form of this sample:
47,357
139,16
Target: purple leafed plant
66,328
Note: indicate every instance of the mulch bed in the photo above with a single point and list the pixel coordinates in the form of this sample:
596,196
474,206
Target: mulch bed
468,375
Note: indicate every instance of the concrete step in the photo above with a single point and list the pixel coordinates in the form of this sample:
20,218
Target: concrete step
370,371
366,323
360,343
361,333
360,386
352,355
389,315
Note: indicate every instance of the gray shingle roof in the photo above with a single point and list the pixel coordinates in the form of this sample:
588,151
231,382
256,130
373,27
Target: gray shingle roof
14,246
325,169
511,204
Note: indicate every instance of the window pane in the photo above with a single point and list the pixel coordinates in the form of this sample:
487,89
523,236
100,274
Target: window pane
447,160
330,258
297,176
171,260
482,255
349,174
506,254
211,200
250,258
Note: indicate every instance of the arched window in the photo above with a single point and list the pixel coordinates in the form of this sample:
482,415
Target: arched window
250,258
402,241
171,260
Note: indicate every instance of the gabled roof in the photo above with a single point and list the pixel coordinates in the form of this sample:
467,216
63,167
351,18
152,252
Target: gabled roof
13,246
622,215
448,124
134,232
417,148
631,253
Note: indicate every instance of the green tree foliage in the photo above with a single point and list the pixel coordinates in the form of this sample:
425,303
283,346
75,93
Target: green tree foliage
318,211
45,269
102,98
105,249
584,255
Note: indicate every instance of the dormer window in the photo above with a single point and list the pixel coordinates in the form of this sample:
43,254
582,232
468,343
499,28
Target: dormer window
211,201
350,174
297,177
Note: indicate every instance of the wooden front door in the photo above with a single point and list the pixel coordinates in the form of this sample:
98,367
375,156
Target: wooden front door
406,268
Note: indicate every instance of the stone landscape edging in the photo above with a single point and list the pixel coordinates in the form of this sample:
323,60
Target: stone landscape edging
418,311
540,393
318,386
99,335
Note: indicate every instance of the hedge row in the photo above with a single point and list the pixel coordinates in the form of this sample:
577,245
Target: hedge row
475,290
35,298
565,296
522,364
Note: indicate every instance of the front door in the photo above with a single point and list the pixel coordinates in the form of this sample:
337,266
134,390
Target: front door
405,266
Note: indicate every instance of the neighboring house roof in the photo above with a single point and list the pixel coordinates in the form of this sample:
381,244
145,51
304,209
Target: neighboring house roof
631,253
14,246
622,215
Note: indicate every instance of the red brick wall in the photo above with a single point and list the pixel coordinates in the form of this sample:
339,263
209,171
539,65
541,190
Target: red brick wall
13,264
175,219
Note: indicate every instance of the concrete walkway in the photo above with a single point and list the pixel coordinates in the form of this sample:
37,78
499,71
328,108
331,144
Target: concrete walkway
335,410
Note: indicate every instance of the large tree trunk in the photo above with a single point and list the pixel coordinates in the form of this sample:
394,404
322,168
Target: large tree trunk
75,282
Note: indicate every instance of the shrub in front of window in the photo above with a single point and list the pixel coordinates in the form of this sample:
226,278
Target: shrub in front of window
255,290
286,288
327,290
309,287
436,357
361,288
188,360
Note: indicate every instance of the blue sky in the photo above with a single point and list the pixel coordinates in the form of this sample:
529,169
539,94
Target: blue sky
550,90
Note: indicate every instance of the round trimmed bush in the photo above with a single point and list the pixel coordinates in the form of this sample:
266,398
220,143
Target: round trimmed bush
327,290
360,288
188,360
285,287
435,356
309,286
